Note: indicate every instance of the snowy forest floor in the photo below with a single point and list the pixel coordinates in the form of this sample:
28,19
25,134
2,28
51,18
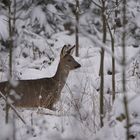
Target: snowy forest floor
79,99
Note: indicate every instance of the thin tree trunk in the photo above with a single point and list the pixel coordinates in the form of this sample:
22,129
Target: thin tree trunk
14,126
102,88
13,34
113,70
113,61
101,73
76,28
10,42
116,11
124,69
14,15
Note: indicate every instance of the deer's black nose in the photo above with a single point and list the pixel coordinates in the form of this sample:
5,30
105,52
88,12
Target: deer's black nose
78,66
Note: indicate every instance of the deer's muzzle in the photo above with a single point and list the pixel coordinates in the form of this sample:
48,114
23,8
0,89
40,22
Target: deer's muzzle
78,66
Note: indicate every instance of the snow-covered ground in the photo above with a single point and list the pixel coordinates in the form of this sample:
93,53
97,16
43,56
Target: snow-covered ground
79,102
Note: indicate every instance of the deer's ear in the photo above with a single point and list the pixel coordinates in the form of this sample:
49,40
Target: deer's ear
67,49
71,50
64,51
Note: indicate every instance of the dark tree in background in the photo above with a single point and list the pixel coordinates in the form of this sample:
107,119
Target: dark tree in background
76,27
124,71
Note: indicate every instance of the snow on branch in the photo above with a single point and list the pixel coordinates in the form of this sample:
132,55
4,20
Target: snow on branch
4,34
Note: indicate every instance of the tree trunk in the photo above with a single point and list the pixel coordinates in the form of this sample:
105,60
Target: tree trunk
113,61
76,28
124,69
10,62
113,70
101,73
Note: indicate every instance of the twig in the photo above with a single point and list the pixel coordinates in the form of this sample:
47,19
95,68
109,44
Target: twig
13,108
96,4
45,111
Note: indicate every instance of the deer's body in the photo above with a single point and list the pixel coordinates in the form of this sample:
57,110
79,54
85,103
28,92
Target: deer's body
46,91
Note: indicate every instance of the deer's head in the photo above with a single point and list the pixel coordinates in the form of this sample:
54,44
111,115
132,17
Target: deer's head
66,58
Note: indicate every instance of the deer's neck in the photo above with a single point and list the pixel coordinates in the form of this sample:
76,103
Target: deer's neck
61,75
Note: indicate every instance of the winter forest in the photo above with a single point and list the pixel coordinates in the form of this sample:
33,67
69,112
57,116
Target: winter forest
69,69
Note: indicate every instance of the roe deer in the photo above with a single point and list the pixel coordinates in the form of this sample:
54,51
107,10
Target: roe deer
46,91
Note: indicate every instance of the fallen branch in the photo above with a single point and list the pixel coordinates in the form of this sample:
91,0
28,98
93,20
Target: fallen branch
13,108
45,111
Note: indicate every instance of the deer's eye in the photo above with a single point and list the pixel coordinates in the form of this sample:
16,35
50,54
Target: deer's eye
69,60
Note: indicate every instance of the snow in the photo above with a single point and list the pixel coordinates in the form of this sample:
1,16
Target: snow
37,15
5,132
137,20
79,96
4,34
82,82
42,72
51,8
77,112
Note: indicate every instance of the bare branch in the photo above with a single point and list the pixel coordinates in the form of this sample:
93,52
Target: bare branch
97,4
13,108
